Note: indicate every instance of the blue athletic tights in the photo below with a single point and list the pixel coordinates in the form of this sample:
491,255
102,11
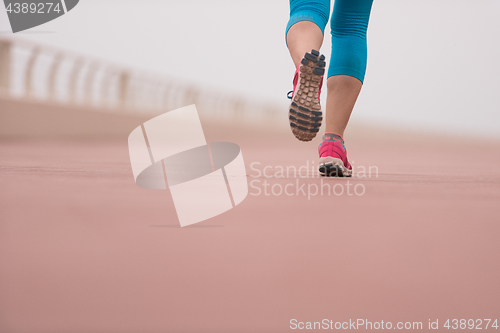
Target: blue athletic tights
348,26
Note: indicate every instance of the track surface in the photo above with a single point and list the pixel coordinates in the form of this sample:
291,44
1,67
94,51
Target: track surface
83,249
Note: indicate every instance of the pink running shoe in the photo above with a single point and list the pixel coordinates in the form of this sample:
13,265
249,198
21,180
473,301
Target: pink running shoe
305,111
333,157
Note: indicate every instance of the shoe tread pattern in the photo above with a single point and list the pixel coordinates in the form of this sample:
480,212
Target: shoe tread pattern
305,113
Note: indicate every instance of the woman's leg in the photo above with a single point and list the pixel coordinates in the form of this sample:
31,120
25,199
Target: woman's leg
345,78
306,26
304,36
347,68
343,91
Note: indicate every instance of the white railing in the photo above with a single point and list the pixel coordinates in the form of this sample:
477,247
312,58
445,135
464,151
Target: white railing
38,72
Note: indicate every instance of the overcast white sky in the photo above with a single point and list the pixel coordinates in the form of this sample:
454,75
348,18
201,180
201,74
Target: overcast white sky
433,64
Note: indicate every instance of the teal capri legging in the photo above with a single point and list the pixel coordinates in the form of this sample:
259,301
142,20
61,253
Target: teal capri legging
348,27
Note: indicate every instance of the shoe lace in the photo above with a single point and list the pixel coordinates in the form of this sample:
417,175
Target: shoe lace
295,79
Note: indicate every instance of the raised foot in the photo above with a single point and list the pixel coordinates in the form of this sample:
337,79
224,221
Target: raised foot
305,114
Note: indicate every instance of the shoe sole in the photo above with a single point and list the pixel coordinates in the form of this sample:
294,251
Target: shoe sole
333,167
305,111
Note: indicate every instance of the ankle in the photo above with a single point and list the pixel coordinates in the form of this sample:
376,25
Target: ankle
335,131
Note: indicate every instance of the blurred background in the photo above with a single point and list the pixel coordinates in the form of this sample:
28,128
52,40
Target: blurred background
83,249
433,65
